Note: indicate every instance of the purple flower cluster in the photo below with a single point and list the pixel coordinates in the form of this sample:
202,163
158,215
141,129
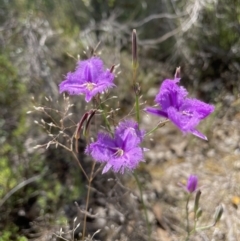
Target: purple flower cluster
89,79
184,112
120,152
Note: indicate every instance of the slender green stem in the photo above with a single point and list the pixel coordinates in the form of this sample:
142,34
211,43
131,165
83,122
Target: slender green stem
160,124
205,227
195,222
187,218
136,90
137,109
195,229
143,204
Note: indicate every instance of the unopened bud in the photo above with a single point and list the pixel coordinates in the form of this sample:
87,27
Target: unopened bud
78,130
192,183
134,49
196,202
80,124
91,113
198,213
112,68
218,213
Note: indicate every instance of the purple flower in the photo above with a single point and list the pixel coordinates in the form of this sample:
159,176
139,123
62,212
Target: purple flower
184,112
89,79
192,184
120,152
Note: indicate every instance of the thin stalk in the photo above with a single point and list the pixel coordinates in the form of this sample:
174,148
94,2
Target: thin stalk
206,227
137,95
187,218
87,201
144,206
160,124
195,223
202,228
137,109
79,164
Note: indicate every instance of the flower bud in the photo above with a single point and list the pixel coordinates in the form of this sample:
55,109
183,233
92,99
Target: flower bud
218,213
134,49
91,113
192,184
196,202
199,213
86,118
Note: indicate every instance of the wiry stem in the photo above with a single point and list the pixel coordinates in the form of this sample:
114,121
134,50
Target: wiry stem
143,204
79,164
87,200
160,124
187,218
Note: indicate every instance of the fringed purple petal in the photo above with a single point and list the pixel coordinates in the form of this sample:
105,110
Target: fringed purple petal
199,134
157,112
107,167
101,149
89,70
186,123
170,94
199,108
128,135
105,77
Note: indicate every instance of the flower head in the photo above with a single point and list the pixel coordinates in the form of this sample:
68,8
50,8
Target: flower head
89,79
192,184
120,152
184,112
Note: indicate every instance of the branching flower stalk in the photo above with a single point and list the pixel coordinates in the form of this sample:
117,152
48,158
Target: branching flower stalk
120,149
191,187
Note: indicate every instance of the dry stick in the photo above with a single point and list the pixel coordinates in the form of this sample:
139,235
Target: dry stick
87,201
